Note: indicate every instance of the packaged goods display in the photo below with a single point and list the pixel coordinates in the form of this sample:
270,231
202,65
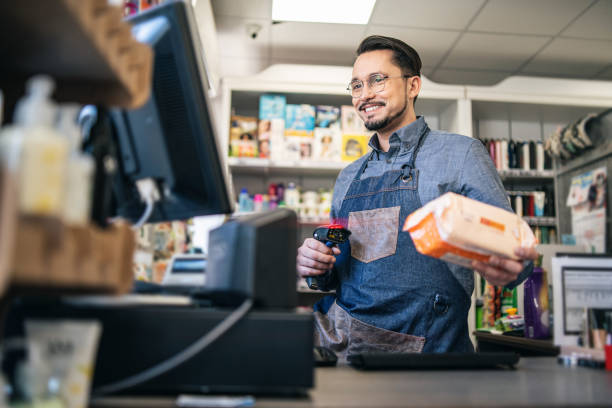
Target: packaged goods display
292,132
458,229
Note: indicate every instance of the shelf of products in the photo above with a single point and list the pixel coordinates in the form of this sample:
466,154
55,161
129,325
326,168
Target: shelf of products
262,166
112,68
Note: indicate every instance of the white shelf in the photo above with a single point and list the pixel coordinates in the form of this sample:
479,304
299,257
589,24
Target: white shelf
541,221
526,174
266,166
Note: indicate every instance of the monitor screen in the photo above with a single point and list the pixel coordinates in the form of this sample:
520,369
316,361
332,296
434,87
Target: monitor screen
171,139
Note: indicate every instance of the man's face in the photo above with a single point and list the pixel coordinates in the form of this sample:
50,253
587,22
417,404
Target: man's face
388,107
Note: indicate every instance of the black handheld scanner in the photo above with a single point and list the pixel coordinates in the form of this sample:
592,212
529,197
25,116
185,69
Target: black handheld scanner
330,235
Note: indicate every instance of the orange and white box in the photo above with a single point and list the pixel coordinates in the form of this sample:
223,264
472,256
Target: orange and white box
458,229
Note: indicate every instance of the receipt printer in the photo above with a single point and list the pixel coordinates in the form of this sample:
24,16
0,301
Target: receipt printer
254,256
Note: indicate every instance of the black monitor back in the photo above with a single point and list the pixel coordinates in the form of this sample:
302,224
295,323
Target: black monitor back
171,139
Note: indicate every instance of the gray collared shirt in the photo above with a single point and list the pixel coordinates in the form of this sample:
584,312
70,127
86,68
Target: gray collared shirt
446,162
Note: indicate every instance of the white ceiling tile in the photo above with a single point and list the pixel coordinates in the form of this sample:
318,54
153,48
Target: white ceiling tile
468,77
595,23
493,51
566,56
242,8
430,44
235,41
316,42
238,66
543,17
446,14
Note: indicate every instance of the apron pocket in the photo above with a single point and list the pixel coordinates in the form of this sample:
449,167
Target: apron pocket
373,233
345,335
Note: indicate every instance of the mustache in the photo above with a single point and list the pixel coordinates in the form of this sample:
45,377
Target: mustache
361,107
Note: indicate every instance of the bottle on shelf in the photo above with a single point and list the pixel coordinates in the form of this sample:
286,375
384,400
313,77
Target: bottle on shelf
36,151
258,202
244,201
292,196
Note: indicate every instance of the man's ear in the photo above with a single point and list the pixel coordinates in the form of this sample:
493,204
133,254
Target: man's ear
413,86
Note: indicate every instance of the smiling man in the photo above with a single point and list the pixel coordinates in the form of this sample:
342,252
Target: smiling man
388,296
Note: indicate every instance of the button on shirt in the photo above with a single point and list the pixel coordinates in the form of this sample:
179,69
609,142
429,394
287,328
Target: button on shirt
446,162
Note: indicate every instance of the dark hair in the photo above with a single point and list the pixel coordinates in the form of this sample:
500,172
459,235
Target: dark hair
404,56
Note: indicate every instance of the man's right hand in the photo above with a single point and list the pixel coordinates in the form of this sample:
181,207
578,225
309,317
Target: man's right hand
315,258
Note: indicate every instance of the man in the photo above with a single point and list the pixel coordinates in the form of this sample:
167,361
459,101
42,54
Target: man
388,296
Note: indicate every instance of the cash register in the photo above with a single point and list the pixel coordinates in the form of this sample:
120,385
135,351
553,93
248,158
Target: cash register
242,333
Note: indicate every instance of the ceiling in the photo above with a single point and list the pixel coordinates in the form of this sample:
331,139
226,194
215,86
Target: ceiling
460,41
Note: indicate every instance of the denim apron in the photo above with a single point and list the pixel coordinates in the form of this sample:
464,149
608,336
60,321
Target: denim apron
389,297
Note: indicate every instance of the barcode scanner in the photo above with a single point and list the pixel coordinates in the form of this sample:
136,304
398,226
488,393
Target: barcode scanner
331,235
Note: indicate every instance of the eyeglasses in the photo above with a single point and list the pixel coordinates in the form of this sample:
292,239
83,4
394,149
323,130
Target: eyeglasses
376,82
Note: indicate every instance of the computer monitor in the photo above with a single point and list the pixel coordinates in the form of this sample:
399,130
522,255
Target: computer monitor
171,139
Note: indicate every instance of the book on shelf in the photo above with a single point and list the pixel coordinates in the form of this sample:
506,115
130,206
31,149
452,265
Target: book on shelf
299,120
243,136
327,117
327,144
272,106
353,146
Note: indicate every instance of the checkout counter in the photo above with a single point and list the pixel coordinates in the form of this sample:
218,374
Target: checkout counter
536,382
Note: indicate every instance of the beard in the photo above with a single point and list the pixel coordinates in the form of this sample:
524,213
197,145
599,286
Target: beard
383,123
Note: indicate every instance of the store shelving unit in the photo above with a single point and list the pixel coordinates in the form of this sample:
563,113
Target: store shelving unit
89,51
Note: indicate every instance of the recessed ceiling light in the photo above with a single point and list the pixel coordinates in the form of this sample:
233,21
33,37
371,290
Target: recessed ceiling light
323,11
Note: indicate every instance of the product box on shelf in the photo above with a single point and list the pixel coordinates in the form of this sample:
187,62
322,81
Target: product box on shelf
353,146
297,148
299,120
327,116
351,122
327,144
243,136
272,107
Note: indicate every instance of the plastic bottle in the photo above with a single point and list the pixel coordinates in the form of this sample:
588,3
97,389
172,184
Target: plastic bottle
280,192
505,161
292,196
539,156
526,159
80,170
243,200
258,202
43,153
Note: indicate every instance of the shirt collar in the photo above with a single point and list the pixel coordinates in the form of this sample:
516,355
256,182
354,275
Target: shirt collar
404,138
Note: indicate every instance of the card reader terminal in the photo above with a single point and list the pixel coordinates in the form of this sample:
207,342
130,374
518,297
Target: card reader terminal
186,270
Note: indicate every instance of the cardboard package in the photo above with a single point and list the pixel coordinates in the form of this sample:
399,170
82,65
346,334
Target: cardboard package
458,229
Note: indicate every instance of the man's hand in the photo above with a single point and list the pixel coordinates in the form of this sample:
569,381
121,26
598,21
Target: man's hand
315,258
501,271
